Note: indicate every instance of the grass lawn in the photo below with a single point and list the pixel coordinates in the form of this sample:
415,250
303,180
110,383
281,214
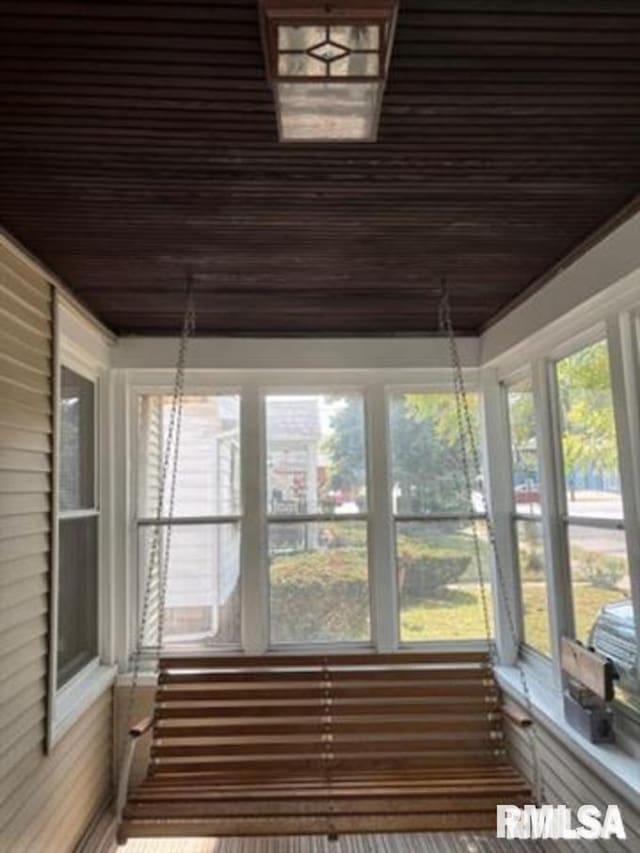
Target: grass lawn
587,602
458,616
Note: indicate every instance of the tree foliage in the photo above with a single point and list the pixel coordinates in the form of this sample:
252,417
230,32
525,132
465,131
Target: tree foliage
588,427
426,452
522,423
346,447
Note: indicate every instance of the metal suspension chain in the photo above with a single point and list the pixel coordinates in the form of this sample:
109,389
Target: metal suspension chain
177,411
158,560
472,469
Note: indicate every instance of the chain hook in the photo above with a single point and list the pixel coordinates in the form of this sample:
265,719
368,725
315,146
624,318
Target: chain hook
444,310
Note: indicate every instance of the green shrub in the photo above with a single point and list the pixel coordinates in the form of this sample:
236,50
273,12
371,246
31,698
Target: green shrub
425,572
530,552
320,595
604,571
531,562
323,595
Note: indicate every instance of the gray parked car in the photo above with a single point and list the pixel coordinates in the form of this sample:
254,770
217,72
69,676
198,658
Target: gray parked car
613,634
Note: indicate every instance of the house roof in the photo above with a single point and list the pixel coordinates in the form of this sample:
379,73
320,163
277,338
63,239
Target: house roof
293,418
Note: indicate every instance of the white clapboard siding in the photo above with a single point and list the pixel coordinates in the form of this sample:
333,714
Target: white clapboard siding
46,801
568,780
25,513
52,808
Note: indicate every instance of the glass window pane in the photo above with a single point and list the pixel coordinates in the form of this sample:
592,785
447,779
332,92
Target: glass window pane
301,65
599,573
319,582
356,37
589,447
426,456
524,448
208,481
438,580
300,38
603,609
77,439
355,65
77,596
327,111
316,460
203,589
535,598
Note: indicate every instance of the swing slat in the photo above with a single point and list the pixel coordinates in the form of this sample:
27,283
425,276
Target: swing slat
344,743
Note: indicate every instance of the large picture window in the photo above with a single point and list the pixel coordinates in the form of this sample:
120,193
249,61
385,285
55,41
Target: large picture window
202,599
527,516
437,572
594,522
77,606
316,504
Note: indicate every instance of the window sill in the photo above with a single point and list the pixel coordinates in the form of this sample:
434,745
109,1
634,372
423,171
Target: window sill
144,679
72,700
617,766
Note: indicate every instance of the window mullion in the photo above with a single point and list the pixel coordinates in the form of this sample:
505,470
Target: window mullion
625,379
499,493
440,516
382,563
594,521
553,508
177,521
253,568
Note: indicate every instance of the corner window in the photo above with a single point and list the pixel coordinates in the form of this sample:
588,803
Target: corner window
437,573
78,517
201,532
527,522
600,583
316,502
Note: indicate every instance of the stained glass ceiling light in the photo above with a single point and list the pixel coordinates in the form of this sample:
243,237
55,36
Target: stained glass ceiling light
327,65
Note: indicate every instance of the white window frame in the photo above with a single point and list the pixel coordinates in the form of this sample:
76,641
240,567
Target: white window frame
442,386
529,652
618,317
78,346
623,343
254,385
137,577
268,518
621,330
593,336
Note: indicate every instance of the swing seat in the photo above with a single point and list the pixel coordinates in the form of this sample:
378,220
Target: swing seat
275,745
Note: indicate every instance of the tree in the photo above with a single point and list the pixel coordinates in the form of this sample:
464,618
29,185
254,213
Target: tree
426,453
522,425
346,448
588,425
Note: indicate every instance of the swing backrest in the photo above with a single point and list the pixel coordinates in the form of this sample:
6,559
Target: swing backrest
245,716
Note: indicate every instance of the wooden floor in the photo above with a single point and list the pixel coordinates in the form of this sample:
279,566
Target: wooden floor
416,843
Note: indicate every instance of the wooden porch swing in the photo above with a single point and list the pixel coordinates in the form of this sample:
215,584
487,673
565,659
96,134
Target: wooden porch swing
312,744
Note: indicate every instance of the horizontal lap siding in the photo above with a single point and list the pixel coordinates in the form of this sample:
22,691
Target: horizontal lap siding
47,801
53,806
567,780
25,495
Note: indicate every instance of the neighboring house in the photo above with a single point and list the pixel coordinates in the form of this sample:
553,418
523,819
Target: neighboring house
204,564
294,462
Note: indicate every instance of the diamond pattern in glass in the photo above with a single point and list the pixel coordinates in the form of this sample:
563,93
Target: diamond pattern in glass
328,51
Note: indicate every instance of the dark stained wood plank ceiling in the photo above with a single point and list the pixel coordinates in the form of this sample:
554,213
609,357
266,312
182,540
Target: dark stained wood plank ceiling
138,140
